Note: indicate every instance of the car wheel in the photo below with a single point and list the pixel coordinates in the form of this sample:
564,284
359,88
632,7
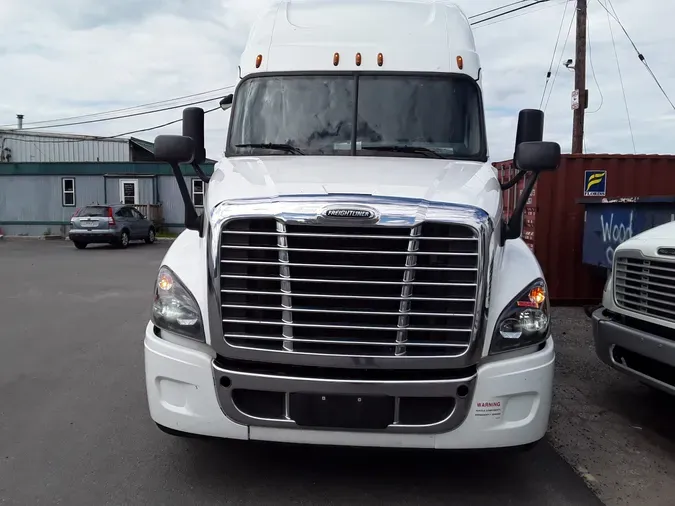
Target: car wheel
124,239
151,236
80,245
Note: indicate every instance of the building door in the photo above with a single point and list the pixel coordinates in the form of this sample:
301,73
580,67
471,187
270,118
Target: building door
129,191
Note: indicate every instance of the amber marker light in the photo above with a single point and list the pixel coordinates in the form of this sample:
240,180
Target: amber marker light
460,62
336,59
258,61
380,59
358,59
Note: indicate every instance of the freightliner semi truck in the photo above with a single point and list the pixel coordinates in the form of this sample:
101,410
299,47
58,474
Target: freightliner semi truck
634,328
351,279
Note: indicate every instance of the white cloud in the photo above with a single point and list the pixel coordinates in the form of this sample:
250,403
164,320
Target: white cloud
73,57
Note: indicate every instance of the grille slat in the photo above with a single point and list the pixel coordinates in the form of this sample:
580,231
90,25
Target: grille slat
645,286
358,290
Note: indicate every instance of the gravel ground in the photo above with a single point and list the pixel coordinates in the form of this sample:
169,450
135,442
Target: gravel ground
617,433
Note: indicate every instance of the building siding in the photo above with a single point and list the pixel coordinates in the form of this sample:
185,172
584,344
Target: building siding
28,199
25,147
173,209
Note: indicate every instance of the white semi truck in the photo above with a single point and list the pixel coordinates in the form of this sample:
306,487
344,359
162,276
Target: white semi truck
351,279
634,329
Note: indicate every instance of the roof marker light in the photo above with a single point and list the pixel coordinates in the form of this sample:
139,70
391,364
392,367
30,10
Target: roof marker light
358,59
380,59
336,59
460,62
258,61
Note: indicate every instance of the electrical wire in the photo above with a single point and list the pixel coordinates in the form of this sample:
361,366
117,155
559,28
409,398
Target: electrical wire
547,6
618,68
31,138
640,55
132,115
510,11
562,53
497,9
590,61
555,50
123,109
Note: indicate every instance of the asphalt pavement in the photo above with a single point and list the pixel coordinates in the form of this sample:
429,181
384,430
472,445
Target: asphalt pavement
75,428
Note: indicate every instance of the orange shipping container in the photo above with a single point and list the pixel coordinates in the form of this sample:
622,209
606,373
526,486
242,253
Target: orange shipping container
554,218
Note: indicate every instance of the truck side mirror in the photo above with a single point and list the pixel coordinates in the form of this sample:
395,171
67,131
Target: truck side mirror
537,156
530,126
226,102
193,127
174,149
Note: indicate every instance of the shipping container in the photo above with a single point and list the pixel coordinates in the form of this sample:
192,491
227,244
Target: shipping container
555,216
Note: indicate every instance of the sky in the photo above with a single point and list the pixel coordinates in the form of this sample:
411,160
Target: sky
64,58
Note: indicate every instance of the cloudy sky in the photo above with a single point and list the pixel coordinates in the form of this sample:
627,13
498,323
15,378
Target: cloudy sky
64,58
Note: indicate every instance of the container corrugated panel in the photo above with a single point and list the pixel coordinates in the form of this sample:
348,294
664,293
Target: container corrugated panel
25,147
559,225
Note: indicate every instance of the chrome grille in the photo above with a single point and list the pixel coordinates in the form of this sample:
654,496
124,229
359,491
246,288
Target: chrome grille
362,290
645,286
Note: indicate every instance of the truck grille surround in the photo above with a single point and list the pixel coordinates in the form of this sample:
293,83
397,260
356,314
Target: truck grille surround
645,286
358,290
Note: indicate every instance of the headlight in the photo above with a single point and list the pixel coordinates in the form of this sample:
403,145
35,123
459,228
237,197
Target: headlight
174,308
525,321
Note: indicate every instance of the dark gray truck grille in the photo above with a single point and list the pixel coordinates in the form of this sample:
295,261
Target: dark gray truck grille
362,291
645,286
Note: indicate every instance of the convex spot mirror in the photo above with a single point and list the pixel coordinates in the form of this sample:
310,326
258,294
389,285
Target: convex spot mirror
537,156
174,148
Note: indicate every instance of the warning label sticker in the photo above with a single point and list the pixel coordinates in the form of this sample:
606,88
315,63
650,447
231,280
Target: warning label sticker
490,409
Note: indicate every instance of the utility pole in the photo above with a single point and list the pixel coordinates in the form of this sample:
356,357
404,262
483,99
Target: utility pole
580,97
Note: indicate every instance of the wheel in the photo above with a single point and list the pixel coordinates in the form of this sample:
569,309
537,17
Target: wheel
124,239
151,236
80,245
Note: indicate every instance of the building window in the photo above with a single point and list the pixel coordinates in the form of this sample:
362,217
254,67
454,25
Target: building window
68,192
198,192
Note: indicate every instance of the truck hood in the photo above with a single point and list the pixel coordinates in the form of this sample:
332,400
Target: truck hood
662,236
467,183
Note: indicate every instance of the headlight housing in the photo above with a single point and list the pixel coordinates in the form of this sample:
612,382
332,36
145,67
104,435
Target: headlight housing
525,322
174,308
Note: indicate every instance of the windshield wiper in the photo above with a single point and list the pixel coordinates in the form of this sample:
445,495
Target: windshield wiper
280,147
406,149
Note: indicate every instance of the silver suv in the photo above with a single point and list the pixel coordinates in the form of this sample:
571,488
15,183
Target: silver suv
113,224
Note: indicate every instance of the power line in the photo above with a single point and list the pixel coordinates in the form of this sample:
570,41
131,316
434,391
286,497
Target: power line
100,138
142,113
562,53
640,55
590,60
123,109
535,2
497,9
618,68
555,49
547,6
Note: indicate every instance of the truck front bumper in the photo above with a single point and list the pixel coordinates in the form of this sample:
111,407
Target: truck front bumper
645,356
510,404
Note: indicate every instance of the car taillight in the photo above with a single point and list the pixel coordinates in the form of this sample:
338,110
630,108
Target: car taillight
76,213
111,220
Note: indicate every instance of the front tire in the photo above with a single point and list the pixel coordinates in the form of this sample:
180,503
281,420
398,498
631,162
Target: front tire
150,239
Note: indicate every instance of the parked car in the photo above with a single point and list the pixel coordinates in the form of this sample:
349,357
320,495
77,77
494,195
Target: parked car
112,224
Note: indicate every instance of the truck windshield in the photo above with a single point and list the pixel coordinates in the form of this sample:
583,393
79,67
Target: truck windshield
396,115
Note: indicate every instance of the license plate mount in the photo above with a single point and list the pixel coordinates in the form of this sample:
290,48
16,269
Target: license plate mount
356,412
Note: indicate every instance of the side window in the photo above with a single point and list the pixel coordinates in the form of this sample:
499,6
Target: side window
136,213
68,192
125,212
198,192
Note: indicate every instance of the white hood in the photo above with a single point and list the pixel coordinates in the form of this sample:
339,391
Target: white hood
660,236
467,183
